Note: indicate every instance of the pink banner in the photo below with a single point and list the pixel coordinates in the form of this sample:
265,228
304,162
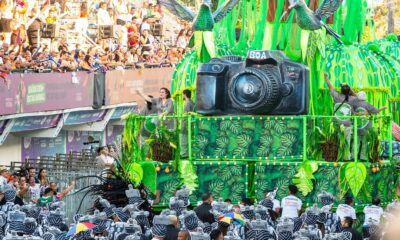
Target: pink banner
35,92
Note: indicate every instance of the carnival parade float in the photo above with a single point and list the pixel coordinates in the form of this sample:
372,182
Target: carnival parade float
264,116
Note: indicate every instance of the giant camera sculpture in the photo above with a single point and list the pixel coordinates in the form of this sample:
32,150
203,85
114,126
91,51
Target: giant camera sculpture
267,82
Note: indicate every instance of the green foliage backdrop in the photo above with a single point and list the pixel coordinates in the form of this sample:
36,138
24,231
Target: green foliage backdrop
248,138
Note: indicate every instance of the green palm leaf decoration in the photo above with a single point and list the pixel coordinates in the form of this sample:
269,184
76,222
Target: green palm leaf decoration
235,127
226,174
303,178
263,150
216,187
222,142
220,152
279,126
282,184
288,139
236,170
266,140
240,152
260,169
268,125
243,140
284,151
225,125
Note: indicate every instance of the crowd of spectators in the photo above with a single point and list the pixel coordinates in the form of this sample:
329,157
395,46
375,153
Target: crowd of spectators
31,187
135,42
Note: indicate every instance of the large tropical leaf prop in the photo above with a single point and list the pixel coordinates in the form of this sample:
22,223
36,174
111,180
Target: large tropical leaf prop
355,175
305,175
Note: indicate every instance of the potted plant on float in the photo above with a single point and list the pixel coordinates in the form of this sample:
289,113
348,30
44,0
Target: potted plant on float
327,140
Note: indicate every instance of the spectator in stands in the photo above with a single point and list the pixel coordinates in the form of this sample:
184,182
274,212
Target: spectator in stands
103,16
203,211
291,205
88,64
59,196
4,175
6,68
23,191
133,32
147,41
145,25
10,192
347,226
66,62
346,209
122,12
43,181
47,198
103,159
181,40
32,173
34,189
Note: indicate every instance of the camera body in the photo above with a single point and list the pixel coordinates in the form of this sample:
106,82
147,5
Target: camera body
267,82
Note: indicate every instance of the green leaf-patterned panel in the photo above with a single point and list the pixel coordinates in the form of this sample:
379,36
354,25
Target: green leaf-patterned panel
268,176
222,179
248,138
167,182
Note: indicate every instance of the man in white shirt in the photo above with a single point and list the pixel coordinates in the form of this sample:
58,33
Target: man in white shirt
346,209
104,160
145,25
291,205
103,17
373,212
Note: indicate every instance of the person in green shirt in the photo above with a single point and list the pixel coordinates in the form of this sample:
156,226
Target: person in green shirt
47,198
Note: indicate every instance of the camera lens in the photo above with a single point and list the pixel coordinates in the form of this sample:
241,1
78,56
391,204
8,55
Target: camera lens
254,91
248,88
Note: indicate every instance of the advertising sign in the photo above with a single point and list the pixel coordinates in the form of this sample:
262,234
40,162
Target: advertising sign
36,147
82,117
35,123
36,92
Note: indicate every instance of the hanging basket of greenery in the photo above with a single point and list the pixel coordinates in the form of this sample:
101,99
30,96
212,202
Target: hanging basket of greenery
163,143
330,150
161,150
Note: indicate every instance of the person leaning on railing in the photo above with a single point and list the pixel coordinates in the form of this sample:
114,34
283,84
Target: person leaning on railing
345,98
163,104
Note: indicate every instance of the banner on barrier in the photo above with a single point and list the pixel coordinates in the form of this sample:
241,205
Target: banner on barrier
121,85
35,92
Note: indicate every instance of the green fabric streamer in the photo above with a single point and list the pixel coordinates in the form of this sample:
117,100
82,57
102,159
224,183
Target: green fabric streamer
188,176
355,21
150,177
